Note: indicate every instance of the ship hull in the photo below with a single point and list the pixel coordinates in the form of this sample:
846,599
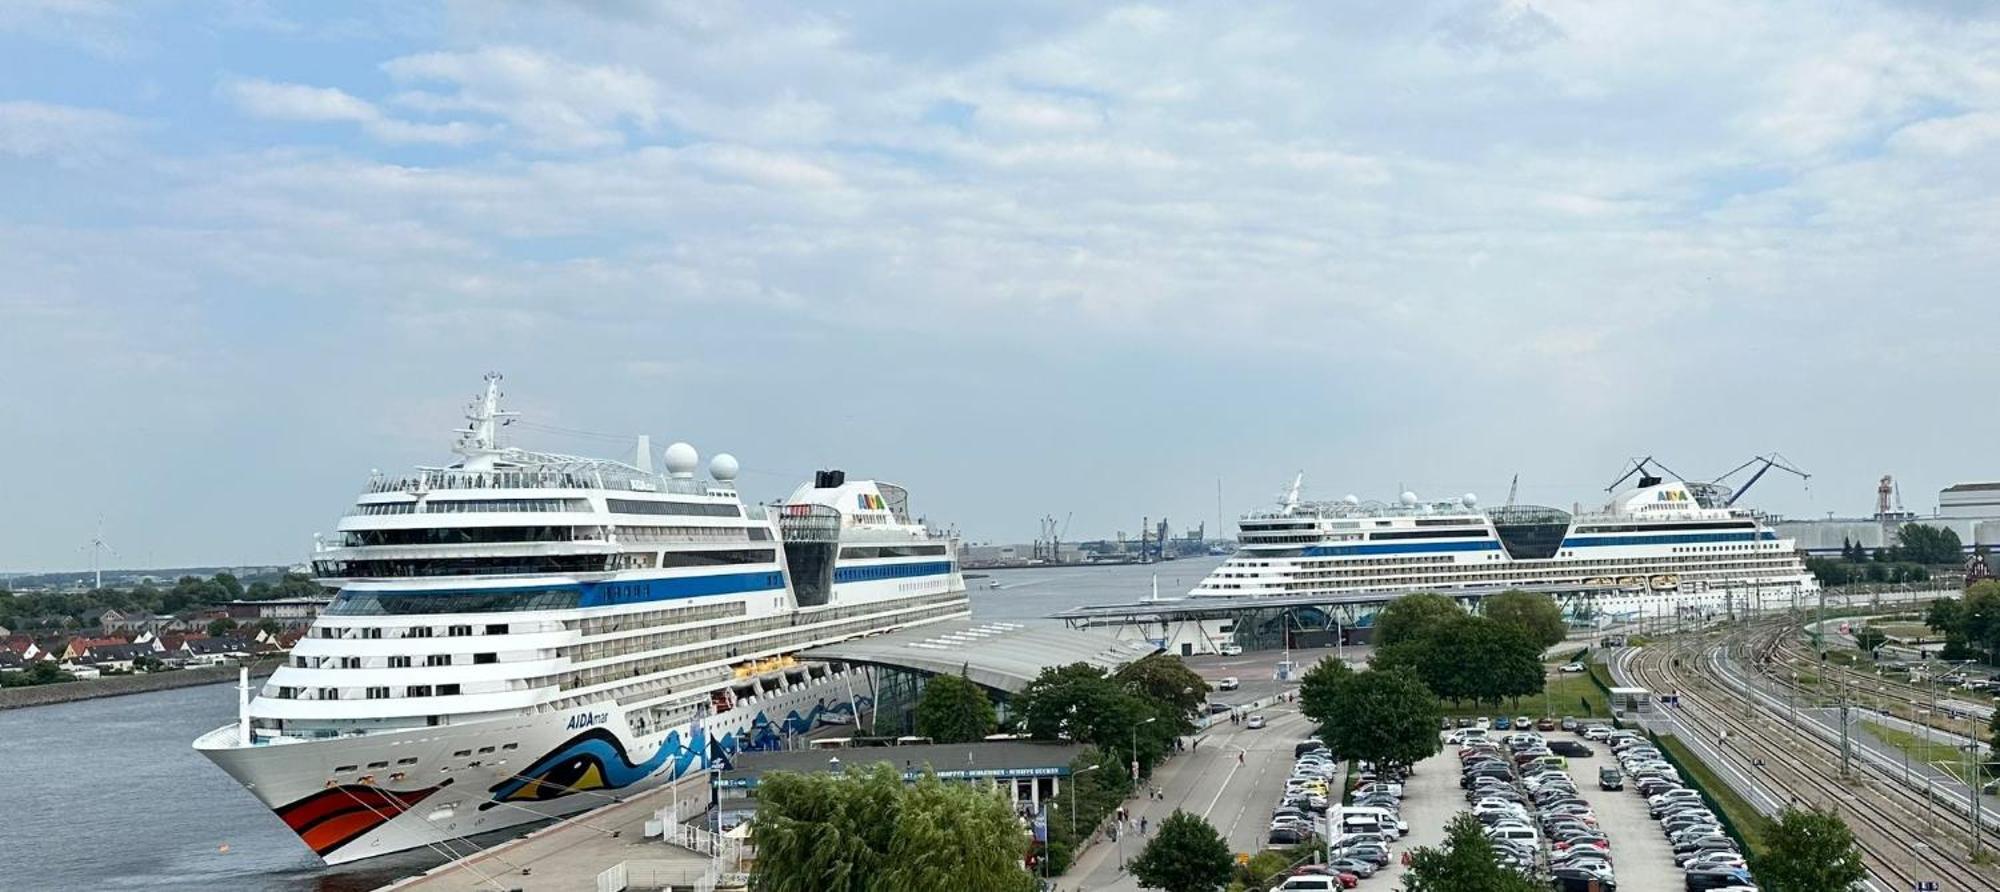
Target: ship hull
436,785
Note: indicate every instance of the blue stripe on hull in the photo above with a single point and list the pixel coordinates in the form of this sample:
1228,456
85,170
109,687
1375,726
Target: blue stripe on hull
599,594
890,571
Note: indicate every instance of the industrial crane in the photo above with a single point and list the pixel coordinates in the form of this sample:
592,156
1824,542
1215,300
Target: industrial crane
1774,460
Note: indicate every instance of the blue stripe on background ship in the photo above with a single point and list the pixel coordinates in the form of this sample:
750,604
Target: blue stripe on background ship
592,760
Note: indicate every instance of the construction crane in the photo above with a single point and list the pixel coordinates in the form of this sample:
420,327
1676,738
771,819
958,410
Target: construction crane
1774,460
1640,467
1513,489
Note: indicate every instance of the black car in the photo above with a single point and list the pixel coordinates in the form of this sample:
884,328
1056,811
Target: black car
1608,778
1568,880
1702,880
1569,748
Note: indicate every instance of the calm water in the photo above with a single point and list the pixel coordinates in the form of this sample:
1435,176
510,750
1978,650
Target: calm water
107,794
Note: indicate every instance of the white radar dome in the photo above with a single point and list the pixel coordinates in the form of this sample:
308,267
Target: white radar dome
723,466
1352,499
1470,499
682,459
1409,498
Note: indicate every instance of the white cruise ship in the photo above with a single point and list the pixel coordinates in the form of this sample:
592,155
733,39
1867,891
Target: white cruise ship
1656,549
524,635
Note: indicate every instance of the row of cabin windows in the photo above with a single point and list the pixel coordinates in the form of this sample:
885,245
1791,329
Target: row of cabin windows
412,760
458,631
395,662
373,693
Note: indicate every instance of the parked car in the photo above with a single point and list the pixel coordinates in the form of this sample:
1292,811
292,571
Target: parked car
1608,778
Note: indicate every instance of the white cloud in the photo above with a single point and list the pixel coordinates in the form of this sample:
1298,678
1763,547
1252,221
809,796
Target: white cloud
63,133
545,101
299,102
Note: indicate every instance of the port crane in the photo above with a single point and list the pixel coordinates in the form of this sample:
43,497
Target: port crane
1711,493
1774,460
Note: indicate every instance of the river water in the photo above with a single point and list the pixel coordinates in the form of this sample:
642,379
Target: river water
108,795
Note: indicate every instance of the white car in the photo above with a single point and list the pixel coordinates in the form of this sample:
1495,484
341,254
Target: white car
1573,668
1254,722
1228,684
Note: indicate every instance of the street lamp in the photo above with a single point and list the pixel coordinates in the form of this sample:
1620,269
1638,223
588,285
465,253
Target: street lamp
1135,749
1072,797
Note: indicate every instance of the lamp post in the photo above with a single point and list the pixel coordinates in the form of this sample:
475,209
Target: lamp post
1135,749
1072,797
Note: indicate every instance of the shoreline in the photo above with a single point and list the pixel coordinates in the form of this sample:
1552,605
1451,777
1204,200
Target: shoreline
122,685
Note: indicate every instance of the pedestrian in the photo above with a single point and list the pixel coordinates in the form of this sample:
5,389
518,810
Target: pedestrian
1239,758
1142,826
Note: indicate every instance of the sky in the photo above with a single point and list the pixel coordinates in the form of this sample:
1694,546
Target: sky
1029,258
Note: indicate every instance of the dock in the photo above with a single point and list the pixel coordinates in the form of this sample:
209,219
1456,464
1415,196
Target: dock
570,854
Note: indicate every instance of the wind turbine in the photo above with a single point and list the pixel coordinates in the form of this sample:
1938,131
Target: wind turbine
97,546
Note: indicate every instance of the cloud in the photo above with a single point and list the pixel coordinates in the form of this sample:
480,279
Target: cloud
299,102
64,133
545,101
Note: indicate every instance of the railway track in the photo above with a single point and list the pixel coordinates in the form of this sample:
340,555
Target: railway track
1896,831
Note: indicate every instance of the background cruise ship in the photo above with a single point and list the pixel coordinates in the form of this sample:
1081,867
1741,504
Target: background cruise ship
522,635
1657,548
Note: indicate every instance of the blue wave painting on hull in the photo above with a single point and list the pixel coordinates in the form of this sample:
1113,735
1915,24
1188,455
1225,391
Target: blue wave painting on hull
596,760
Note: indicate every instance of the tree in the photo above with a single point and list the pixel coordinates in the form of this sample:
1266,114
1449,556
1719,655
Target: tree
1536,615
1385,717
269,626
1868,638
1463,864
864,831
1808,851
1175,691
220,626
1410,616
1079,702
954,710
1927,544
1187,855
1319,689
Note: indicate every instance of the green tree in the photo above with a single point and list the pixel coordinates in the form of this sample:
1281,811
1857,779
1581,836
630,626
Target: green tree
1808,851
1175,691
1320,687
229,585
1384,717
1537,615
1186,855
954,710
1411,616
1463,864
220,626
1079,702
1943,615
1868,638
864,831
1925,544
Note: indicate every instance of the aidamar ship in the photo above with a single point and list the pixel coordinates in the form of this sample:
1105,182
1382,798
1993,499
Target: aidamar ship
522,635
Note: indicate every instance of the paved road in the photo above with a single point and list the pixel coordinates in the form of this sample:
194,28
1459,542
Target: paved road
1640,855
1236,797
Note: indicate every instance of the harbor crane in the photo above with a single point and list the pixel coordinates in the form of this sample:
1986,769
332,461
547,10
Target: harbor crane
1774,460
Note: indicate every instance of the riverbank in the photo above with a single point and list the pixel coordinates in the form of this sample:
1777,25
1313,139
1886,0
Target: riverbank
121,685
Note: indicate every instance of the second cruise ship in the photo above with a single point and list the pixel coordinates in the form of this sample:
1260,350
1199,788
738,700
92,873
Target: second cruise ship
1659,547
522,635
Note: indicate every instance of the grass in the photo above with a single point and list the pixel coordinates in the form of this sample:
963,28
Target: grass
1743,821
1905,631
1564,695
1940,755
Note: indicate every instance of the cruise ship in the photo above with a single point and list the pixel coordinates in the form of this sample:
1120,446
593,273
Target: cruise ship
524,635
1658,548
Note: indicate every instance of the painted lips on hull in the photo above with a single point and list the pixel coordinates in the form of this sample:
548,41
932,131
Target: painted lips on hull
336,816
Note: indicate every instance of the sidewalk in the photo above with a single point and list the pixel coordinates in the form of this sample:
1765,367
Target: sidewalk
1208,781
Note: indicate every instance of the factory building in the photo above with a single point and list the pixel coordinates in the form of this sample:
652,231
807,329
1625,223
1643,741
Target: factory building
1972,510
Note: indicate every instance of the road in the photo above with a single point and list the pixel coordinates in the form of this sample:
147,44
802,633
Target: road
1235,797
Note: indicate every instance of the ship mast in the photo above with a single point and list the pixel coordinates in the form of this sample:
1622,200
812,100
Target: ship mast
479,441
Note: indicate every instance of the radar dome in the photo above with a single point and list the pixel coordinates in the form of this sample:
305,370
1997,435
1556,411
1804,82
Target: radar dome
1352,499
1470,499
1409,498
682,459
723,466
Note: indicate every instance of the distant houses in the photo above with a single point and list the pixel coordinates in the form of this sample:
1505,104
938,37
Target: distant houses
88,656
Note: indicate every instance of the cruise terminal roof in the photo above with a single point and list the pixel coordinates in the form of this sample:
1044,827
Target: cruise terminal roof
1004,656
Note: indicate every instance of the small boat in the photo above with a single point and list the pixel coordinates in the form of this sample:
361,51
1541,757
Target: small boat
993,583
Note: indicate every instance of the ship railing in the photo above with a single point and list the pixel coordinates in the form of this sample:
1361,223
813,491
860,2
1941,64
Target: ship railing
432,479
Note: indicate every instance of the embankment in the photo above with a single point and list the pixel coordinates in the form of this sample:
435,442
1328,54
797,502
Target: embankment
120,685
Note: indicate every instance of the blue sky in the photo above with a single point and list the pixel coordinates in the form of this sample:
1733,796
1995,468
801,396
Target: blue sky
1025,258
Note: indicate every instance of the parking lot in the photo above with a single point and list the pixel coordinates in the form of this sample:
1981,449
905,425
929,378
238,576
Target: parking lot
1645,863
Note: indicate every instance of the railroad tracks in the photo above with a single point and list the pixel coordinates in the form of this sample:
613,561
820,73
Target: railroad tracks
1900,839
